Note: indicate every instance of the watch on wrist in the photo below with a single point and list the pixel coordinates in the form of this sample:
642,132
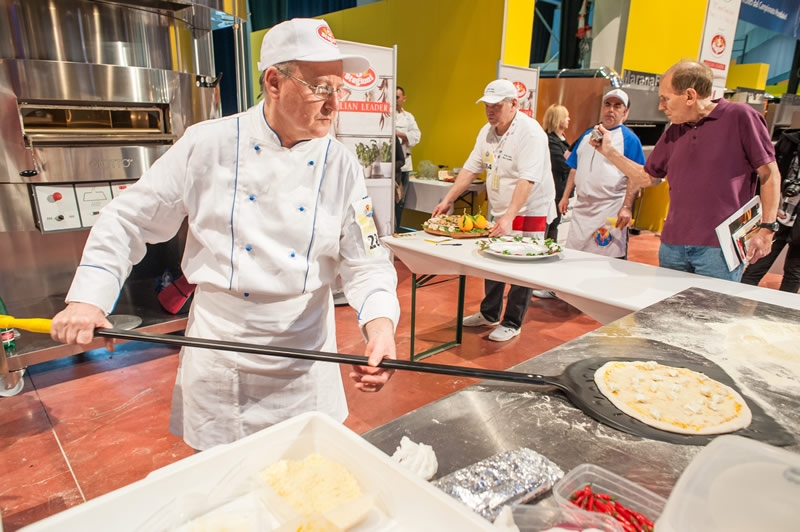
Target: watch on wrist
772,226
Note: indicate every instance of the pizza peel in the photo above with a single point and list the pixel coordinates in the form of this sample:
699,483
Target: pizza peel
576,382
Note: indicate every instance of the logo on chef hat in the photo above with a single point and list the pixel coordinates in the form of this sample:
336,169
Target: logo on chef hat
602,237
325,32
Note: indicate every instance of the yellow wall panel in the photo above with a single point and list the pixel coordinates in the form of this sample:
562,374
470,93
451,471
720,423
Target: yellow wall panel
447,51
518,33
662,32
255,54
750,76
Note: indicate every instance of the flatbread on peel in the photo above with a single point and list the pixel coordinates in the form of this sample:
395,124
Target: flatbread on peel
672,399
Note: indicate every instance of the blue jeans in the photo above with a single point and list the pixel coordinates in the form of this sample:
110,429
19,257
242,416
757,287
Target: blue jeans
702,260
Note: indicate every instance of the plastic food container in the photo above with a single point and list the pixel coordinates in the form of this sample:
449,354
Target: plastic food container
736,484
530,518
214,487
628,493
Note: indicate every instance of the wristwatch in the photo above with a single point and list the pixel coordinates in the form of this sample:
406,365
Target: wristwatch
772,226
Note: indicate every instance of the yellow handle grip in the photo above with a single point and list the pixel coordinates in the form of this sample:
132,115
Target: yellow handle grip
37,325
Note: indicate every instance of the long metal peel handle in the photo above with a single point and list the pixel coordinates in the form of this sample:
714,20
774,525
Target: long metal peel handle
42,325
320,356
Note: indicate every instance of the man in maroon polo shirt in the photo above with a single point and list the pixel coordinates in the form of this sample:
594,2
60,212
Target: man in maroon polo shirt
712,154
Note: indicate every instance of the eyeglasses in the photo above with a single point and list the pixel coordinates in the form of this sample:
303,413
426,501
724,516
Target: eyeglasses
321,92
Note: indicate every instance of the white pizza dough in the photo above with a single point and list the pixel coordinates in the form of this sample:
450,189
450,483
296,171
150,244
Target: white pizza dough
671,398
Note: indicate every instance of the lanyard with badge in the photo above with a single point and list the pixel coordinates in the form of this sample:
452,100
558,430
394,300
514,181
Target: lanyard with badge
491,159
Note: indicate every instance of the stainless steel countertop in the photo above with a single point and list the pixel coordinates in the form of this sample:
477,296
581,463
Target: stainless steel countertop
488,418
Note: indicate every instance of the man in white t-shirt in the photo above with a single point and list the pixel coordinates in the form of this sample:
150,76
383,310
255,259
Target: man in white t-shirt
512,149
408,132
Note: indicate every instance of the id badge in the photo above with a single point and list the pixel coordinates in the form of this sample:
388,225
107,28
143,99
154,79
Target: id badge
366,222
492,176
494,180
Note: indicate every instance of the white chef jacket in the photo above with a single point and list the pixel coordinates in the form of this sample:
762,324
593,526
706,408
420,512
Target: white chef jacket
599,192
269,229
406,123
521,153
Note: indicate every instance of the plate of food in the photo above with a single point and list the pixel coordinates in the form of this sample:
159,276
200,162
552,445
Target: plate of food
519,247
458,225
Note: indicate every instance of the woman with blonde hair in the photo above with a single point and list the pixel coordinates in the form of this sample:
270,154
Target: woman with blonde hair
555,122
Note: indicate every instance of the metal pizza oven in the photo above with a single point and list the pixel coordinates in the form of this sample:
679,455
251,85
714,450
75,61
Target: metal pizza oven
91,94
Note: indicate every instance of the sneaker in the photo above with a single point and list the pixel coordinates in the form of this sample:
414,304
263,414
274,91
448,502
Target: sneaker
477,320
544,294
503,334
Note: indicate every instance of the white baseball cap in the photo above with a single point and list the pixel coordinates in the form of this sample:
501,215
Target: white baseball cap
306,39
498,90
617,93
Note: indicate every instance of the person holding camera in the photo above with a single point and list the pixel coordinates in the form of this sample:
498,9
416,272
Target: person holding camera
788,159
711,154
601,190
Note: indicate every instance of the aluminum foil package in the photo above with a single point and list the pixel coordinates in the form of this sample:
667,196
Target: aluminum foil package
506,478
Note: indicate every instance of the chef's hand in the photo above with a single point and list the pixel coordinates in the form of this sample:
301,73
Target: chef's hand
443,208
76,324
624,217
502,226
760,245
380,345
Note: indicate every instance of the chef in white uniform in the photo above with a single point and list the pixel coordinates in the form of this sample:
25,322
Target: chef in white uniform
601,190
276,209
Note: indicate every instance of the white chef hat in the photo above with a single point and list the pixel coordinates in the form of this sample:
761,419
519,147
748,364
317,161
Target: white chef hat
498,90
306,39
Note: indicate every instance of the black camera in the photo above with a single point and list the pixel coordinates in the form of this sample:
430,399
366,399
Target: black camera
791,182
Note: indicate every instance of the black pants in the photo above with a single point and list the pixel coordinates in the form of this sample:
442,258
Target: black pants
398,205
552,229
791,268
519,297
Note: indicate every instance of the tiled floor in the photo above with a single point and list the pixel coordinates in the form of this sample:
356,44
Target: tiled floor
88,424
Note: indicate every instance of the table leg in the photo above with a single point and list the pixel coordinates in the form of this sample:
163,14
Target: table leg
426,280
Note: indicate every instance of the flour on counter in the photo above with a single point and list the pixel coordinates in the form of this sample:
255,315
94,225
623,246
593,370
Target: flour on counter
764,349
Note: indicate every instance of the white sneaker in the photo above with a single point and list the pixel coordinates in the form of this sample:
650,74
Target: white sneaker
544,294
477,320
503,334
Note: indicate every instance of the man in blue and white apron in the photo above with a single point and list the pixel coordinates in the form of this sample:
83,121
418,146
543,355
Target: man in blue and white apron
603,195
